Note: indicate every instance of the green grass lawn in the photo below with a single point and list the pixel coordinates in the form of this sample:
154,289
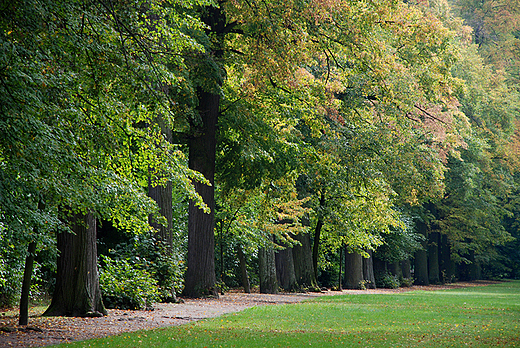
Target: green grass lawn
478,317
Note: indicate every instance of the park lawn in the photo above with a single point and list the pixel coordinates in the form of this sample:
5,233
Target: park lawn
486,316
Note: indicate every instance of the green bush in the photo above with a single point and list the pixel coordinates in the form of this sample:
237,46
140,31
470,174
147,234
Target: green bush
11,273
126,287
406,282
145,252
164,268
388,281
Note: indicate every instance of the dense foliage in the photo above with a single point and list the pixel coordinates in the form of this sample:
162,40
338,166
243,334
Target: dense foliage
347,122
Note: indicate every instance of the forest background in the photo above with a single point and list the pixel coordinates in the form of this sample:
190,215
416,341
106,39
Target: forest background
191,146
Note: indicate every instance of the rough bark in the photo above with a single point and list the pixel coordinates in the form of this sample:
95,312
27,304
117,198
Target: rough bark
368,271
200,275
267,271
285,269
26,285
243,269
303,267
353,270
433,258
421,258
77,291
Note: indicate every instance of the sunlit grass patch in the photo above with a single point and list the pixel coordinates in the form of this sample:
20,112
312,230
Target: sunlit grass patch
478,317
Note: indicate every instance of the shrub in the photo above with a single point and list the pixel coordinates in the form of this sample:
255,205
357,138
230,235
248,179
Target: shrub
407,282
388,281
164,268
11,273
126,287
145,252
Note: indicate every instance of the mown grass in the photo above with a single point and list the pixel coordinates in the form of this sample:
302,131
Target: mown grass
480,317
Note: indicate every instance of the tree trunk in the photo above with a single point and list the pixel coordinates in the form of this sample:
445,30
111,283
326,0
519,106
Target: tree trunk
162,195
285,269
243,269
77,291
433,258
353,270
421,258
302,256
475,272
200,277
200,274
445,263
267,271
368,271
406,268
316,246
26,285
317,236
395,268
379,266
340,287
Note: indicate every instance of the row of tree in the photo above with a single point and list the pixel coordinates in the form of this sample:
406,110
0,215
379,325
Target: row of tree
292,130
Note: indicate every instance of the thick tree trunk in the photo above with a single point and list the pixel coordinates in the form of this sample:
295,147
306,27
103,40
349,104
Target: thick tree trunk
368,271
243,269
302,256
421,258
26,285
285,269
267,271
353,270
200,275
77,291
433,258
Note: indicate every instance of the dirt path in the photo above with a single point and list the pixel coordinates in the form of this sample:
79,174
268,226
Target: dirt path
43,331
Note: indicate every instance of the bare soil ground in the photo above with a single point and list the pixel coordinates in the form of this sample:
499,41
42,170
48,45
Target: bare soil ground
43,331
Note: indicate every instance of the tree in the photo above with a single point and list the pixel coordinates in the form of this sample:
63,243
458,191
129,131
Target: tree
285,273
479,180
74,85
77,291
495,26
353,270
261,51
